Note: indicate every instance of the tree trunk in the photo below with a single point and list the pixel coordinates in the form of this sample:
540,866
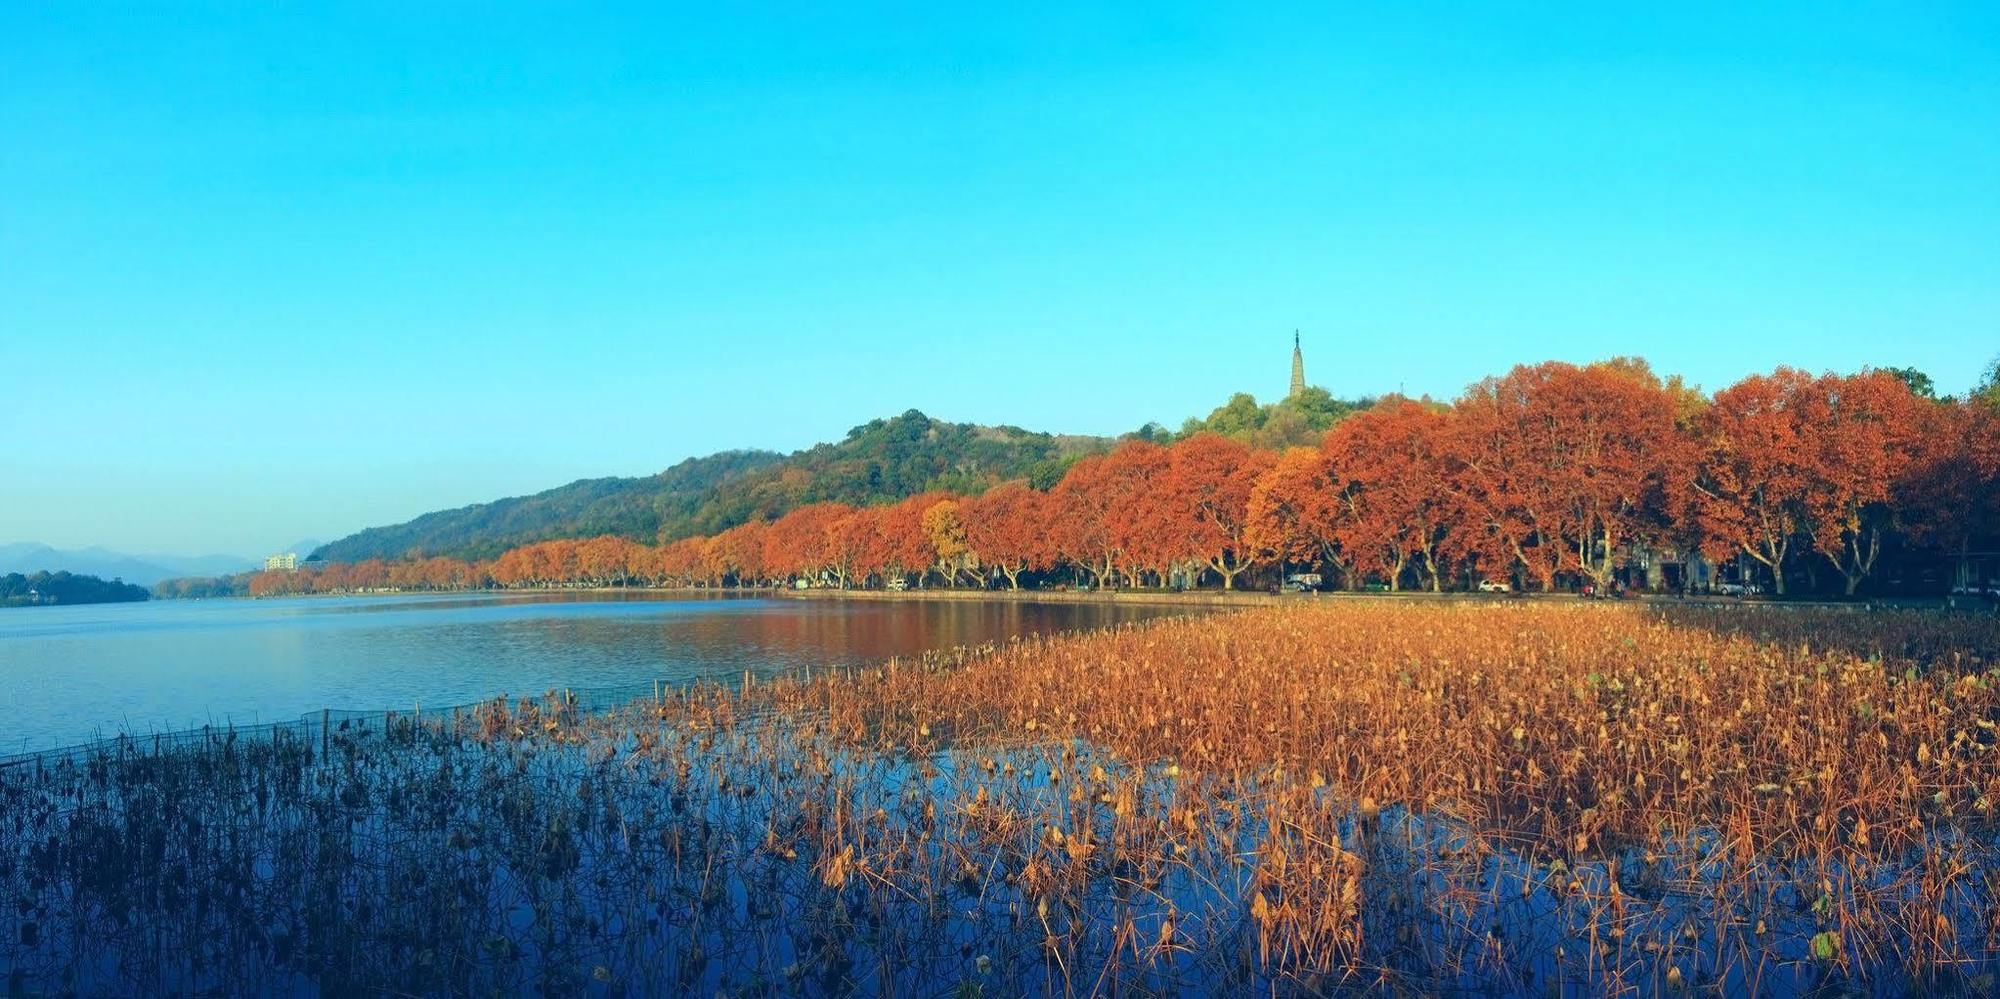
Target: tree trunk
1860,561
1774,560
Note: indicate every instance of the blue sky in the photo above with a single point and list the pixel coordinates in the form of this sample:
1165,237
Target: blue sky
272,273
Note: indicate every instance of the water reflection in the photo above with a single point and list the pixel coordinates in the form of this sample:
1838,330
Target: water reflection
78,673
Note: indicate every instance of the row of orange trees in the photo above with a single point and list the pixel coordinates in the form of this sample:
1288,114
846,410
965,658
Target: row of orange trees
1553,473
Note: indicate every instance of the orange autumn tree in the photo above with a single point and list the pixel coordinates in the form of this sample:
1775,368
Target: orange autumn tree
905,547
1148,532
800,543
435,573
553,562
1085,499
1756,468
1008,526
850,539
271,583
510,569
603,559
687,561
851,545
369,574
944,528
1951,491
1295,510
709,559
738,552
1861,443
1564,465
1206,488
1627,471
1495,484
654,565
333,578
1393,466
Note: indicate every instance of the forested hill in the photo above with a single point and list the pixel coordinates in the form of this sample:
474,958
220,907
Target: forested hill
879,461
18,590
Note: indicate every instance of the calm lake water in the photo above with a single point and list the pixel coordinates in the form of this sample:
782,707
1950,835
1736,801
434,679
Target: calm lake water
79,673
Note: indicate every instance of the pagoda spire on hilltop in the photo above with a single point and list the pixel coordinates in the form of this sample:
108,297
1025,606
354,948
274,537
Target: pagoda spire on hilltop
1298,367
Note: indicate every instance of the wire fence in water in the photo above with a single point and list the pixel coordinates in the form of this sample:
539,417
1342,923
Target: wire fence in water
322,724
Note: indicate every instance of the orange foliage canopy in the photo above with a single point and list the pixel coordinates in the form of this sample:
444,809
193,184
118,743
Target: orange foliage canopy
1009,526
1561,466
1206,508
1552,470
1395,499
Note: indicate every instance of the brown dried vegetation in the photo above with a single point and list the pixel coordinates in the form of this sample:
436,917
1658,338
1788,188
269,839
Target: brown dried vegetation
1369,796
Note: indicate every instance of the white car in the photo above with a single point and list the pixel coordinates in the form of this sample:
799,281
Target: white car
1494,586
1738,589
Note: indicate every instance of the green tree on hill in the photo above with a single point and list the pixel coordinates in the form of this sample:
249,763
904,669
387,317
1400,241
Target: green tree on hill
1296,421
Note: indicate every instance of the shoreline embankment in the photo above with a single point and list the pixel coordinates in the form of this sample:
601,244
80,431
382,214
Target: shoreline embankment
1249,598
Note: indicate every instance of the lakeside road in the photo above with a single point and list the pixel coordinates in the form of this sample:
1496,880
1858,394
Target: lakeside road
1246,598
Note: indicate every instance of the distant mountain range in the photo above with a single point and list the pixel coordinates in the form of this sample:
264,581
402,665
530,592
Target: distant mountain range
144,570
880,461
302,548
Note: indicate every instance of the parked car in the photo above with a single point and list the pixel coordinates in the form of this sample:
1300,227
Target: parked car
1495,586
1374,587
898,584
1738,589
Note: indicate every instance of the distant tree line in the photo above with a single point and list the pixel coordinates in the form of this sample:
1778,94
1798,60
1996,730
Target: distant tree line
877,462
881,461
1553,476
17,590
203,587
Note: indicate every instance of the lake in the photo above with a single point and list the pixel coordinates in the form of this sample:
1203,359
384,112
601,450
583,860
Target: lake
80,673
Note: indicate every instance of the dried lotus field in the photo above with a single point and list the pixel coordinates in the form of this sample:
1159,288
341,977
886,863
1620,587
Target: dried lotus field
1357,798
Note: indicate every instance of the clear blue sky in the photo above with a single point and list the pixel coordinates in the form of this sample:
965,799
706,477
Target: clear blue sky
269,274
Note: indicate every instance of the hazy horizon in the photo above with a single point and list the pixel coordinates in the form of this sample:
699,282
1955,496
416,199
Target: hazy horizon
274,275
